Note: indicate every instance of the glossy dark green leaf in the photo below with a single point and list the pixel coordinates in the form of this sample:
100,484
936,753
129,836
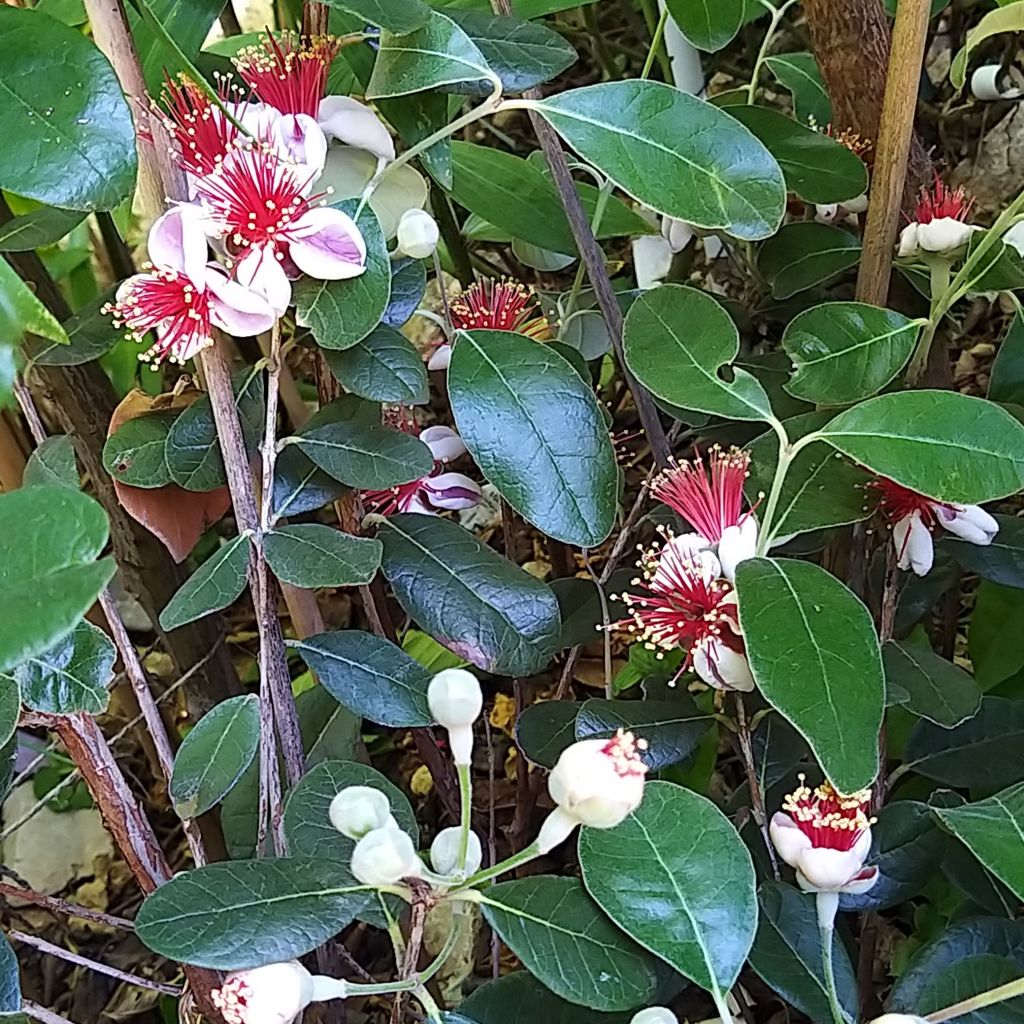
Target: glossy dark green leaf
10,709
822,489
677,878
52,464
560,934
306,821
707,24
672,729
677,341
311,555
535,430
214,754
673,152
949,446
476,603
545,729
972,976
214,585
1002,561
393,15
814,654
846,351
341,313
1006,383
134,453
242,914
40,227
519,998
799,73
415,118
816,167
187,22
302,486
192,451
437,54
806,254
91,334
521,53
516,196
50,538
70,137
982,752
71,676
369,675
991,636
992,830
580,603
22,314
408,282
786,954
936,689
383,367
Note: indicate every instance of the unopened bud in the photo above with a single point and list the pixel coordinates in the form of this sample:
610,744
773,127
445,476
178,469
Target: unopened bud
357,810
654,1015
417,234
455,701
444,852
385,856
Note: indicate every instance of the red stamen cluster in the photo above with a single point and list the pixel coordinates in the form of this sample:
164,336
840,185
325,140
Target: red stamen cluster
203,134
169,300
941,201
232,999
896,502
625,749
288,73
831,821
711,498
503,305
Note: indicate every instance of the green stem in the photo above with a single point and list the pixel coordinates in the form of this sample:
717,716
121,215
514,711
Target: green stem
978,1002
940,267
647,8
524,856
652,50
827,904
724,1015
786,455
762,54
466,813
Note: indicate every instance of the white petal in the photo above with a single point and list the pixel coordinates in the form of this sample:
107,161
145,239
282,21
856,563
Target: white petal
349,121
452,491
989,83
908,240
652,260
722,667
236,309
944,234
177,240
914,546
1015,237
861,882
788,840
298,138
969,522
417,234
261,271
444,444
677,233
829,870
858,204
863,845
440,357
826,212
737,544
326,244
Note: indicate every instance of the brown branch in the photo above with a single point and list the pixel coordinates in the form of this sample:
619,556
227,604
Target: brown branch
59,906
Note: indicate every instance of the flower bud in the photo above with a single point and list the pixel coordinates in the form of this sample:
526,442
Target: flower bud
385,856
444,852
654,1015
944,235
456,700
274,994
417,234
899,1018
357,810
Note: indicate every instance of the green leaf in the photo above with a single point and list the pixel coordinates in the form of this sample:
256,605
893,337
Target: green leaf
816,167
241,914
38,228
545,729
673,152
519,998
1004,19
415,118
468,597
408,283
369,675
814,654
559,933
521,53
383,367
437,54
516,196
1006,383
806,254
341,313
393,15
187,22
135,453
799,73
677,340
1002,561
52,464
301,486
191,449
71,676
307,824
552,460
981,753
10,982
90,334
846,351
708,24
949,446
21,312
50,538
787,954
215,753
214,585
10,709
992,634
310,555
937,689
71,142
993,830
677,878
821,489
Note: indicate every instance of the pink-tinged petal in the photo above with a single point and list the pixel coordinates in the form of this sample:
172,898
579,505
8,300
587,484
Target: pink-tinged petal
440,358
261,271
861,882
914,547
444,444
721,667
128,286
416,504
349,121
177,240
175,345
863,845
968,522
828,870
236,309
326,244
299,139
452,491
788,840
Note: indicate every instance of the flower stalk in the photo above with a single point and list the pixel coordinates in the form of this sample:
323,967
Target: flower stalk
826,904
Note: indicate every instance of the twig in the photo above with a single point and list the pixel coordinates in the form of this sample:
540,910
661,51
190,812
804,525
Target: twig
93,965
59,906
37,1012
118,253
754,784
605,621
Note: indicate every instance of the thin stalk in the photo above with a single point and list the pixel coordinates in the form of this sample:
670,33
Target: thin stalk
786,455
524,856
827,903
978,1002
940,267
762,54
465,812
756,796
722,1006
652,50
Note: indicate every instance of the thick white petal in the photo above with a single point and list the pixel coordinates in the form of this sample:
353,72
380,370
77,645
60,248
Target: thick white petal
908,240
652,260
452,491
914,546
298,138
788,840
261,271
722,667
737,543
677,233
1015,237
826,213
440,358
861,882
859,204
444,444
326,244
355,124
944,234
236,309
177,240
417,234
863,845
829,870
969,522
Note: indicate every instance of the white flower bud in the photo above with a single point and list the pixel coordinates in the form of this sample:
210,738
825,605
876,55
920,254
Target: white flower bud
444,852
944,234
455,701
357,810
274,994
899,1018
418,234
385,856
655,1015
